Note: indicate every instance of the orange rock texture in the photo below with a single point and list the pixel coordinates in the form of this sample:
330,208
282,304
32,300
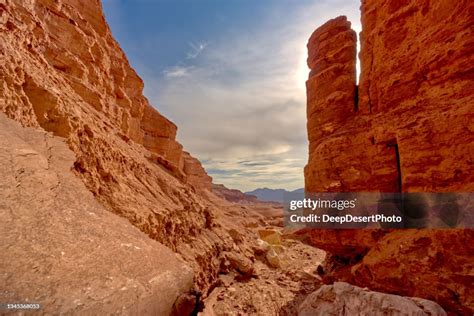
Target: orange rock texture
63,249
196,175
407,127
63,71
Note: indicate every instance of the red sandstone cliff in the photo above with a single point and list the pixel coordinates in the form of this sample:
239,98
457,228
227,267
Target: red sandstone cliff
407,127
62,71
196,175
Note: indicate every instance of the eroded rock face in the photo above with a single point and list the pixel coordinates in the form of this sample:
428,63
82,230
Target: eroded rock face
345,299
72,38
433,264
331,86
63,249
416,109
196,174
406,128
62,71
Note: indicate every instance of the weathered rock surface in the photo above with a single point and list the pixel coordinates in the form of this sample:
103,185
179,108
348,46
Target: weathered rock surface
405,129
62,71
345,299
423,122
344,242
331,86
276,290
433,264
64,250
196,175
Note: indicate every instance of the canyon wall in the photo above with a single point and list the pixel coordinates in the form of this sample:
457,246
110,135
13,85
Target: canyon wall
407,127
196,175
62,71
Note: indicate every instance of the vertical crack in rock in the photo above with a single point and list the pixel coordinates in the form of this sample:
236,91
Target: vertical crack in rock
369,99
399,169
356,99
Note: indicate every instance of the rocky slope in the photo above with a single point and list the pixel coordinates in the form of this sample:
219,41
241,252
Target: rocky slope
405,128
60,247
62,72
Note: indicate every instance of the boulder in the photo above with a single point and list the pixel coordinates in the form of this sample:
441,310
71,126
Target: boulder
344,299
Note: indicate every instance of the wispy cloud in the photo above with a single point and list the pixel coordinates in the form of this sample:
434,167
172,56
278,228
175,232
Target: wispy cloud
178,72
196,49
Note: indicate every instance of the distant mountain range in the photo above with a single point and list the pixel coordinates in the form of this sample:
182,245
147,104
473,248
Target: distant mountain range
275,195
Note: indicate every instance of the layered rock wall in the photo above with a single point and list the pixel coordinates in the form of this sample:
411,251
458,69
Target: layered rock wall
73,40
61,70
405,128
196,174
416,81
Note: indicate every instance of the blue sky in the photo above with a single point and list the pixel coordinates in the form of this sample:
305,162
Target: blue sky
231,75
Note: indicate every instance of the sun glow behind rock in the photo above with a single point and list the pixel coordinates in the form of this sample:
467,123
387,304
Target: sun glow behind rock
302,71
